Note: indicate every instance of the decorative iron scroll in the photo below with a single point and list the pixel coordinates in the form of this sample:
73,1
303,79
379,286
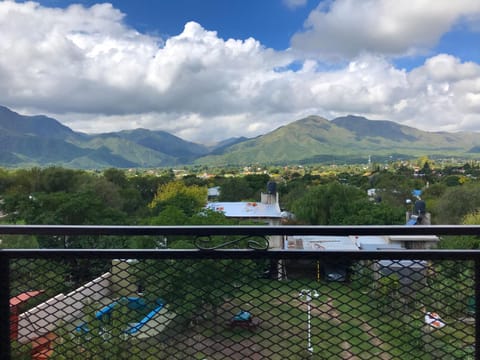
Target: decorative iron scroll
257,242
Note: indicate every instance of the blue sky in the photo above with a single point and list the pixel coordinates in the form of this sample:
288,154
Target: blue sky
272,22
207,70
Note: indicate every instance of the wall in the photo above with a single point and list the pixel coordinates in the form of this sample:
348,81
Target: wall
46,317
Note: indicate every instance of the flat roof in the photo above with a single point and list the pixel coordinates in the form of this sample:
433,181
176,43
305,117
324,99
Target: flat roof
246,209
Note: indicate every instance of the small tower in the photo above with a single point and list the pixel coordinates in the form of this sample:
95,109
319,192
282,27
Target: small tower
418,215
271,196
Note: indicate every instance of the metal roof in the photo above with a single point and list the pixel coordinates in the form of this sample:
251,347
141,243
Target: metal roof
246,209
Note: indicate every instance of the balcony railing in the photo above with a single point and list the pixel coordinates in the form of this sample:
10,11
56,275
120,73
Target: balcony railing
228,297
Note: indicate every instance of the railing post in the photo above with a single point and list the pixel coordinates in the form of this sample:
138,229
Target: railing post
477,308
5,350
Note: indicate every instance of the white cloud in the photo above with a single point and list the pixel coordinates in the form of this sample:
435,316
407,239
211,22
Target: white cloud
444,93
344,29
293,4
85,67
81,61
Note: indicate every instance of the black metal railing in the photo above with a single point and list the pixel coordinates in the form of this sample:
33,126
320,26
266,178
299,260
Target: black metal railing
210,302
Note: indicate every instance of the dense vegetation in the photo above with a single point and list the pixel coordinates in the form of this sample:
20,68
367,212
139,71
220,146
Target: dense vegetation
315,195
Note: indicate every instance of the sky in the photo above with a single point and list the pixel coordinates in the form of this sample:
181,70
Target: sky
208,70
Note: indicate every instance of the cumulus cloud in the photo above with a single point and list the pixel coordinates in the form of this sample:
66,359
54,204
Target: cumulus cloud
76,61
87,68
344,29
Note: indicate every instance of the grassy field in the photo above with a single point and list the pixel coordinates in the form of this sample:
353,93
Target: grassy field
348,321
345,323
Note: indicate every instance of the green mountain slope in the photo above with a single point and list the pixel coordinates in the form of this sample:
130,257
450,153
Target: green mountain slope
42,141
349,138
165,143
15,124
136,155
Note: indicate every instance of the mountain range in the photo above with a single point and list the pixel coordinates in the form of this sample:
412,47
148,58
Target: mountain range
43,141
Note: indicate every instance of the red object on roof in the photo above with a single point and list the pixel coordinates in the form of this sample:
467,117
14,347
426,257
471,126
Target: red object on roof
15,302
24,297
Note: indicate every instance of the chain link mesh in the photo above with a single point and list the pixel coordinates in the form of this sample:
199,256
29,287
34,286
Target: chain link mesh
263,308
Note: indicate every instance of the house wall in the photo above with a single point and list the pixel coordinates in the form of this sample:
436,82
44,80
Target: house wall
46,317
275,242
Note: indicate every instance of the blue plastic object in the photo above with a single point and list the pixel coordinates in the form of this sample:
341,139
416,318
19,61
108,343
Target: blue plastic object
134,303
243,316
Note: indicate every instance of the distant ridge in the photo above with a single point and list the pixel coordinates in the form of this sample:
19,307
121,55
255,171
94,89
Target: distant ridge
43,141
346,139
39,125
363,127
220,147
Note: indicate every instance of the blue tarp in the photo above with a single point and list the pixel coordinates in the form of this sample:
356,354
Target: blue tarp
243,316
417,193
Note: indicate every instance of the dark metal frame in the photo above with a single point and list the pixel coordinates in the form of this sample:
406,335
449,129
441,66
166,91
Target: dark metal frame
217,252
239,230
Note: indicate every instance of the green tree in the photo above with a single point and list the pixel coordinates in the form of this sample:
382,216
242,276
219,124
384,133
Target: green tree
236,189
189,199
60,196
147,185
257,182
452,180
317,205
18,242
170,215
339,204
116,176
6,180
192,179
39,274
57,179
85,208
365,212
463,242
456,203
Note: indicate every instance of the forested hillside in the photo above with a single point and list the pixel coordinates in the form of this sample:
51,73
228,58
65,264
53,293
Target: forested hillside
43,141
315,195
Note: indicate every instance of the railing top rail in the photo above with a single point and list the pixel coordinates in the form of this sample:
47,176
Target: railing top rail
239,230
240,254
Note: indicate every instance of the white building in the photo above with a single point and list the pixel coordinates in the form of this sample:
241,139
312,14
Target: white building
266,211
